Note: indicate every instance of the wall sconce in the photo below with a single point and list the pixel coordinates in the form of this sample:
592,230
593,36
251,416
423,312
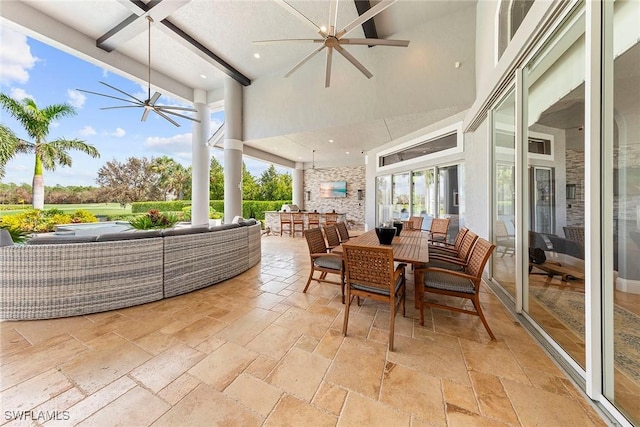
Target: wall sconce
571,191
308,195
360,194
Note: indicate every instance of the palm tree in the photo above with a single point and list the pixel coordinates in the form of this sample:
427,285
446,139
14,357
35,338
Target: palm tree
10,145
48,155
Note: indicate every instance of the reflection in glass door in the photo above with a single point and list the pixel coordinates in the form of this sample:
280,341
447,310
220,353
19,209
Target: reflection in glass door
424,196
449,197
383,199
622,280
542,194
555,104
401,193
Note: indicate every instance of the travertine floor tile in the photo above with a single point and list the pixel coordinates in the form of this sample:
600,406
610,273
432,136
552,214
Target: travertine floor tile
137,406
330,398
254,394
35,391
205,406
178,389
291,411
274,341
360,411
495,358
221,367
247,327
100,399
172,363
299,373
492,398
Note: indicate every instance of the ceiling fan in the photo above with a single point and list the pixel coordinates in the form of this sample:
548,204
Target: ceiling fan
333,39
148,104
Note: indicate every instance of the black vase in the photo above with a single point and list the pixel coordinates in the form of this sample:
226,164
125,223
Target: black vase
398,226
385,234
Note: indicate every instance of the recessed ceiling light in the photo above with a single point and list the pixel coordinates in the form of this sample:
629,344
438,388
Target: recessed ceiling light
256,55
275,148
203,76
331,140
323,29
346,152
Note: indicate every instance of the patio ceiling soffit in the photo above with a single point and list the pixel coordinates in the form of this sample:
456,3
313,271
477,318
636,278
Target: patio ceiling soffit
136,24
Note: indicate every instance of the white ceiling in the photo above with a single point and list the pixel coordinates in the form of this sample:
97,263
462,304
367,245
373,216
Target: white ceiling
228,27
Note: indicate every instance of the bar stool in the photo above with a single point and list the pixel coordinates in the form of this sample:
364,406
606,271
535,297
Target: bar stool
330,218
285,219
314,219
298,220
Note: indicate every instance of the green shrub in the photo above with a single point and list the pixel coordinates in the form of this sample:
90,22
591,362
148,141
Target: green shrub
17,235
154,219
14,207
186,213
36,221
173,206
48,213
82,215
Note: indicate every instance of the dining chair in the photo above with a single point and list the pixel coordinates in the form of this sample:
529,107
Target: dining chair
330,218
331,233
447,248
458,261
414,223
285,219
370,273
439,229
313,219
462,284
343,232
297,221
322,261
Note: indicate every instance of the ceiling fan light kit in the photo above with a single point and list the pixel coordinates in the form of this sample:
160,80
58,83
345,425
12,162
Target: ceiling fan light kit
148,104
332,39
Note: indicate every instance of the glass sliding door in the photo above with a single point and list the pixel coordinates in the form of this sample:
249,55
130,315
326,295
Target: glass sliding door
384,207
401,192
504,194
423,200
555,104
622,165
450,197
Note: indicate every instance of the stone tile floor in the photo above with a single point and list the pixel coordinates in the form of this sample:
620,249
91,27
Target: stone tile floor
255,350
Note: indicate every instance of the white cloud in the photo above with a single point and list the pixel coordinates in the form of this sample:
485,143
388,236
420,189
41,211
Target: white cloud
55,124
76,98
15,56
87,131
20,94
174,142
119,132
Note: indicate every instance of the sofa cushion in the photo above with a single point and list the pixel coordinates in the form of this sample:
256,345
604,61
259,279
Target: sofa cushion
224,227
248,222
128,235
184,231
5,238
52,239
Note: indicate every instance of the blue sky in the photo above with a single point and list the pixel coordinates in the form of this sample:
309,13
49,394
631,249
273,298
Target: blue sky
29,68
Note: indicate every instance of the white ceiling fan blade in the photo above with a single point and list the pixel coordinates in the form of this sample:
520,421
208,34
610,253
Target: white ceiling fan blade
145,114
304,60
164,116
292,10
268,42
176,114
354,61
375,42
154,98
366,16
327,78
121,106
139,103
333,17
122,92
171,107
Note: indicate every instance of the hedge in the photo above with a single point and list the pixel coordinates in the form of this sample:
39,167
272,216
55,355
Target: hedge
250,208
14,207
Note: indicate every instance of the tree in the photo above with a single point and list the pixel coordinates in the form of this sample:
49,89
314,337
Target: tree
48,155
164,166
250,187
10,145
275,186
132,181
216,180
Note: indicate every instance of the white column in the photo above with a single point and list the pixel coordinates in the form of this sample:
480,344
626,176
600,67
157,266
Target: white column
298,185
200,160
232,149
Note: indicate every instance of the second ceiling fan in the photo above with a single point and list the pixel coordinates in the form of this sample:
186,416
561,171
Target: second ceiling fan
332,39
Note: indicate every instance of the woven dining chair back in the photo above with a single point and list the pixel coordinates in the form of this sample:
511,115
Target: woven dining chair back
439,229
415,222
370,273
331,233
325,263
343,231
330,218
467,244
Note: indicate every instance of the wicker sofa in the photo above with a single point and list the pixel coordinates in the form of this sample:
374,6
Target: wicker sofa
74,275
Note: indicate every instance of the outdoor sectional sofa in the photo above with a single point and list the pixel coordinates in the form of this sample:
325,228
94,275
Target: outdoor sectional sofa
60,276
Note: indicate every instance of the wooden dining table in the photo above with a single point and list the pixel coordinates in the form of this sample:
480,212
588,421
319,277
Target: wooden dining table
411,246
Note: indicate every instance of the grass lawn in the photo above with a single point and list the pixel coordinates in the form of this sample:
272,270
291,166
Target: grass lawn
94,208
